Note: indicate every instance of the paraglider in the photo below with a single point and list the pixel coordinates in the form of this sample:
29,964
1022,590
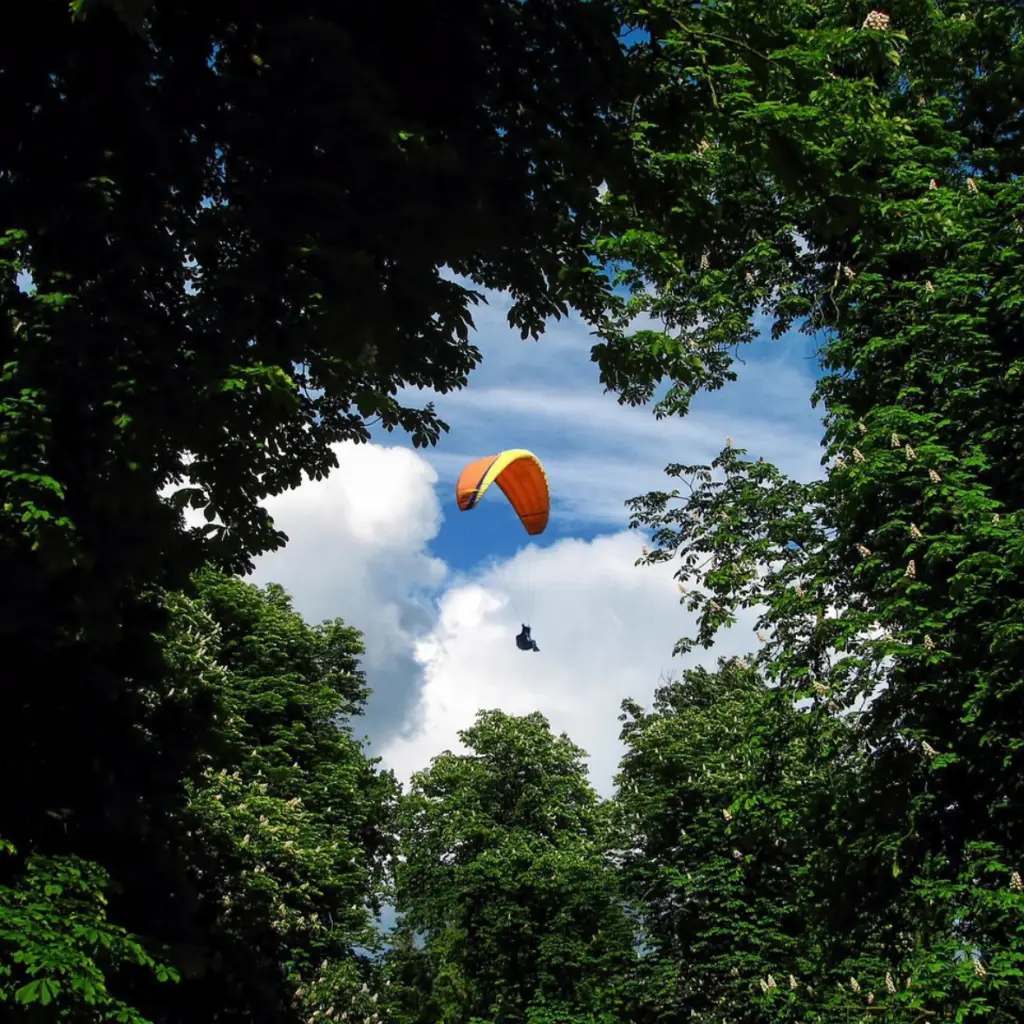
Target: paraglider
525,642
522,479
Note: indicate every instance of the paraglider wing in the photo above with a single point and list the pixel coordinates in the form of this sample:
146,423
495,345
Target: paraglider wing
522,478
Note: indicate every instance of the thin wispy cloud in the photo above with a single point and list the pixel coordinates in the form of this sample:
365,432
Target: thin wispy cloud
547,396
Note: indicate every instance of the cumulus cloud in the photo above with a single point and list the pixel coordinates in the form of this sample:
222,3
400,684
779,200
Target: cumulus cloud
359,549
440,646
605,627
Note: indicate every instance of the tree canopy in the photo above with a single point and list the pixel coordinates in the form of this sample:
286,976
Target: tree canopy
235,235
886,587
504,871
255,885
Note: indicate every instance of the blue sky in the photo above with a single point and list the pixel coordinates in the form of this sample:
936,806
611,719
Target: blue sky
546,396
440,594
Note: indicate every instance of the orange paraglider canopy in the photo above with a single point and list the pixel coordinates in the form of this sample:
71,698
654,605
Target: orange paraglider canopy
520,476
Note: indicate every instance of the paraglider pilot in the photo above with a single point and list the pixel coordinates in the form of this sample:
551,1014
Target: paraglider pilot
525,642
521,476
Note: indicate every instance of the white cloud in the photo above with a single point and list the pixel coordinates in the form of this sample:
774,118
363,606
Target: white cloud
358,549
605,628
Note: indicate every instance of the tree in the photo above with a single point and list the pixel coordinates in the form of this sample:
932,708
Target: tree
259,887
503,871
111,891
715,800
237,261
409,978
752,860
894,578
288,833
727,795
225,232
58,945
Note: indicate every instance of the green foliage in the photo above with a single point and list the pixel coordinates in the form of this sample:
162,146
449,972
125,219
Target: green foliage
286,831
257,879
504,872
235,262
739,812
888,589
409,978
239,263
716,794
227,238
302,824
57,945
